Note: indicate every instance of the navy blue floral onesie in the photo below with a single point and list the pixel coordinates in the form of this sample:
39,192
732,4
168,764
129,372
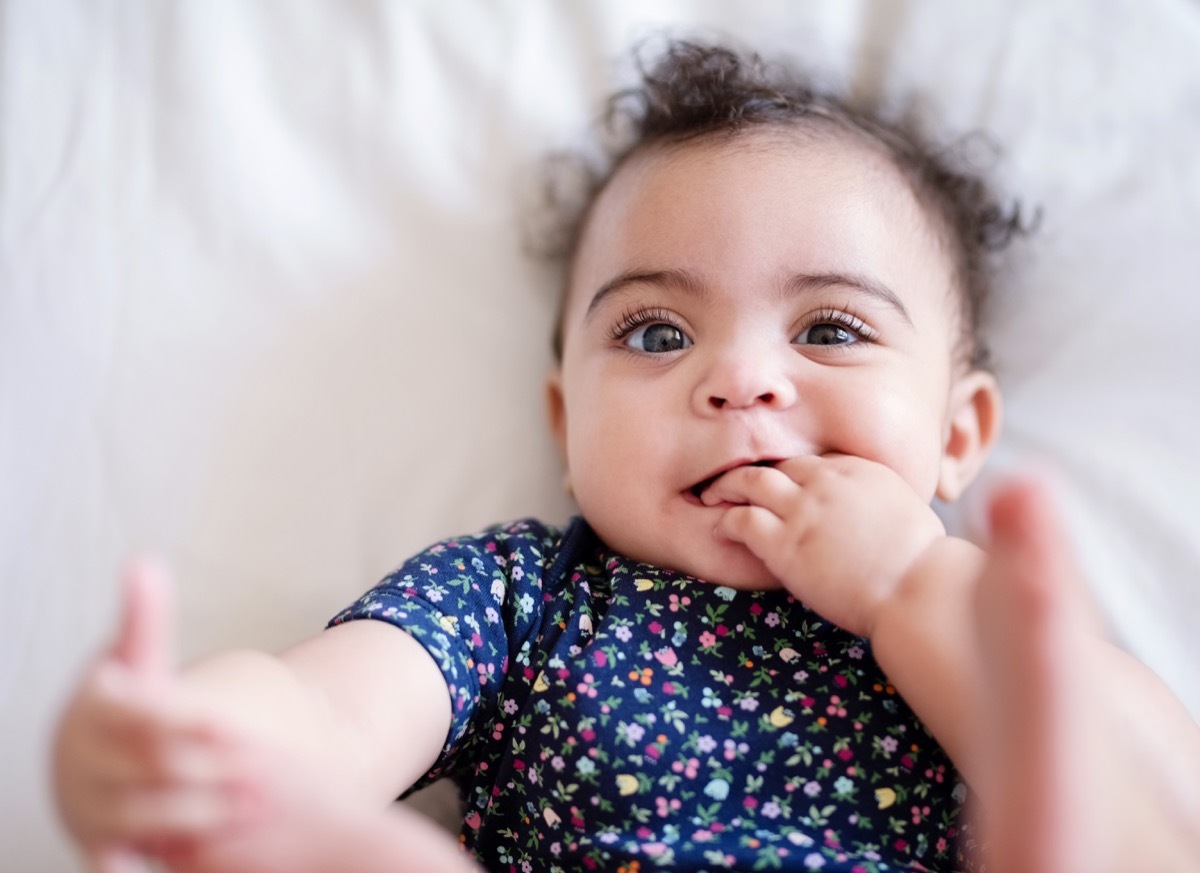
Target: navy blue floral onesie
609,715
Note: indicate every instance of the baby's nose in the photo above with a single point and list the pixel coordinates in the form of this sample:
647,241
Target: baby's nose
767,398
745,385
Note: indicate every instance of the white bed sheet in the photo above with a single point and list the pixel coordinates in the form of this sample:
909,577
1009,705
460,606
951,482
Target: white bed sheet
263,310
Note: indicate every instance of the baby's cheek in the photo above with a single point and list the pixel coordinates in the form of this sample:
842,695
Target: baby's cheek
903,436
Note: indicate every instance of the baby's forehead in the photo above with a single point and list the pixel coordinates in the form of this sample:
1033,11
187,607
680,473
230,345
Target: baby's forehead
837,170
853,200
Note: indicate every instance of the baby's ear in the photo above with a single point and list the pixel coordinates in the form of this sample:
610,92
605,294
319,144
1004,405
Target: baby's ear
972,426
556,411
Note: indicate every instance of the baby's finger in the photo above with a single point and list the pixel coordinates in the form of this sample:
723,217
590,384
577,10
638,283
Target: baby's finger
146,638
178,762
124,711
758,529
767,487
149,818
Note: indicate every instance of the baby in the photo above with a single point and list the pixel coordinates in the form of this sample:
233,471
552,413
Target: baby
755,648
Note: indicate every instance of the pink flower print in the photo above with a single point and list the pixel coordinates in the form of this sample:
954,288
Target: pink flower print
722,631
472,820
840,680
655,628
667,657
707,640
601,658
587,687
756,609
703,835
772,619
665,807
688,768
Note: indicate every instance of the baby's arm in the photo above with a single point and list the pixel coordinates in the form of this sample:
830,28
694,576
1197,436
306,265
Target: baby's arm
1088,777
857,545
153,762
853,541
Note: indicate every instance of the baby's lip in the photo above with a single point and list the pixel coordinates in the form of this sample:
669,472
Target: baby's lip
697,490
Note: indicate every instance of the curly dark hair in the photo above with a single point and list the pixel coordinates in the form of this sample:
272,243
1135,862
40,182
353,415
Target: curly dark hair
693,91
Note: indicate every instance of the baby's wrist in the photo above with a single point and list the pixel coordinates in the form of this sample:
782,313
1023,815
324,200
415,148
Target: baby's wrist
945,563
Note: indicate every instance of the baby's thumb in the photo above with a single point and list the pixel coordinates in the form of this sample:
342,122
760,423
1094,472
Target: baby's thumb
146,638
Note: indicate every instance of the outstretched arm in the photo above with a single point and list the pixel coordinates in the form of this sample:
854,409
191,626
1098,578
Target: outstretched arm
1096,765
152,761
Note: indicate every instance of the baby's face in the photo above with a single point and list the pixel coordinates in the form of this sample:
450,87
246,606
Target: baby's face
741,302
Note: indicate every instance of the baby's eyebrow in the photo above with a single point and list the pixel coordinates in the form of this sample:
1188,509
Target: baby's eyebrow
800,283
796,284
672,279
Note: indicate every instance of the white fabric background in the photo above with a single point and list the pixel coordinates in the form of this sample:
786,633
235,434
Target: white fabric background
263,310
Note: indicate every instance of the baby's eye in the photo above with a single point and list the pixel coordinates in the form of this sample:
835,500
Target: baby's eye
658,338
826,335
834,327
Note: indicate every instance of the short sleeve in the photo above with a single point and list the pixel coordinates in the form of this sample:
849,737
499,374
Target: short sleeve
471,602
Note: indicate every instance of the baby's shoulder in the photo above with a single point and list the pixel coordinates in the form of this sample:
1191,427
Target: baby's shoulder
526,547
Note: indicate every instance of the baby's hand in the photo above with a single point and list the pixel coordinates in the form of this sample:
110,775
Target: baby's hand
838,531
138,768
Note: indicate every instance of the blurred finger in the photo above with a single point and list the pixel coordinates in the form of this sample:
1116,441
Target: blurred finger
179,762
151,817
145,640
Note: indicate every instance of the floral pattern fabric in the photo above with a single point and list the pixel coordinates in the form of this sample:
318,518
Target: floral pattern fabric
610,715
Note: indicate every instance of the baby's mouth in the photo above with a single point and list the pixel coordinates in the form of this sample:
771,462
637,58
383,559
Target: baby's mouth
697,490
